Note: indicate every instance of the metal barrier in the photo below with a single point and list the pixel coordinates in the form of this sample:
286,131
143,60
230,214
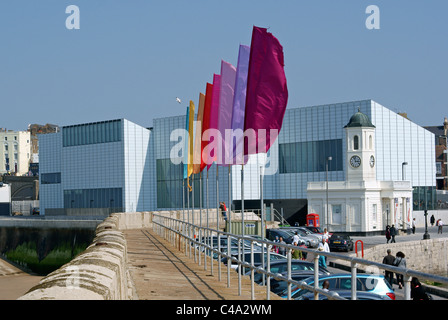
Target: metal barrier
176,231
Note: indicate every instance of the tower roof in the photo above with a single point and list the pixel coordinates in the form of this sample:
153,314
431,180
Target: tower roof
359,119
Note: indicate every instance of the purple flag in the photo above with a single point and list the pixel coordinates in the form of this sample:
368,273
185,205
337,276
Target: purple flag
267,92
239,104
228,73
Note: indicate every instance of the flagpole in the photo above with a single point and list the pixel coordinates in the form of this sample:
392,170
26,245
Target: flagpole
217,222
229,218
188,216
183,208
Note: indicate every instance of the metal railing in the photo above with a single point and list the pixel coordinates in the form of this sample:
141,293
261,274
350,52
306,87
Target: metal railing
181,233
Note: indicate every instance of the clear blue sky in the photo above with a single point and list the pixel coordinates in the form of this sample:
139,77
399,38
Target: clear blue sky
131,59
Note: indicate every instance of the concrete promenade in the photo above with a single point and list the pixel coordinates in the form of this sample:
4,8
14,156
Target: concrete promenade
162,272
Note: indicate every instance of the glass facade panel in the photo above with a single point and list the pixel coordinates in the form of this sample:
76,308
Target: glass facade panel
169,186
91,133
93,198
50,178
424,198
310,156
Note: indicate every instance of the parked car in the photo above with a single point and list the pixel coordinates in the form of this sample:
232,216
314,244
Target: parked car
347,294
311,241
281,266
364,282
287,235
257,258
278,286
340,242
36,211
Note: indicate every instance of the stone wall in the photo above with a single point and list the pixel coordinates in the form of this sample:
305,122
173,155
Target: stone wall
98,273
429,256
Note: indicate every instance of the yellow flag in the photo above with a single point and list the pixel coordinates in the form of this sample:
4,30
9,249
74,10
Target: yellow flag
190,139
198,136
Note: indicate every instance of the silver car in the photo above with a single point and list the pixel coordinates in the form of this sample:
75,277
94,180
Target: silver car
311,240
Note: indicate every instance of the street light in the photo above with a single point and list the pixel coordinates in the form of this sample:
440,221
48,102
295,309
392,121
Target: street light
426,235
326,185
402,169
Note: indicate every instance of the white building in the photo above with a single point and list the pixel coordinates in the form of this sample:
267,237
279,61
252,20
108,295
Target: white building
96,168
361,203
15,149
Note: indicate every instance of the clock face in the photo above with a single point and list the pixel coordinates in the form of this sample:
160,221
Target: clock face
355,161
372,161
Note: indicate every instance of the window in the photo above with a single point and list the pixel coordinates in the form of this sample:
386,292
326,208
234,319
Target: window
93,198
310,156
355,143
50,178
374,212
336,210
91,133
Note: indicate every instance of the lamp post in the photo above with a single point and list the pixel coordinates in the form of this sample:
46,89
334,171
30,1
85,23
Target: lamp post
326,186
426,235
402,169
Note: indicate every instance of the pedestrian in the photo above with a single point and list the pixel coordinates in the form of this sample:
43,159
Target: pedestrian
389,260
281,249
296,253
387,234
432,220
275,248
417,291
413,226
323,246
440,230
326,234
223,209
393,233
304,254
296,238
400,262
326,285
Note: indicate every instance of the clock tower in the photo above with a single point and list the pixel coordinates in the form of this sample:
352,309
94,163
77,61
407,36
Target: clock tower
360,148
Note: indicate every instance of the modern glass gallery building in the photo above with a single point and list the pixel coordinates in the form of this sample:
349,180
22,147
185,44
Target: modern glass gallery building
118,164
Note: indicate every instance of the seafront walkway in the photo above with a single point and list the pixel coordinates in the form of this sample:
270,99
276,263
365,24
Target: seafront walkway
161,272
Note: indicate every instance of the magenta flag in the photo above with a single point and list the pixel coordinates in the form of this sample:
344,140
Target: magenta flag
267,92
239,104
228,73
213,122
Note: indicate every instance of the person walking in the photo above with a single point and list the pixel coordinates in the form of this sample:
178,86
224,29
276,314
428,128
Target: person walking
432,220
440,224
417,291
389,260
413,226
323,246
393,233
281,249
296,253
400,262
387,234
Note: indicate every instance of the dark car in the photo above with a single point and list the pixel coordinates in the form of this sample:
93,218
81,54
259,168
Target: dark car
347,294
278,286
297,266
339,242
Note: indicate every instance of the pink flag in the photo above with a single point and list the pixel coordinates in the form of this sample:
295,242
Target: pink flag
228,73
267,92
211,148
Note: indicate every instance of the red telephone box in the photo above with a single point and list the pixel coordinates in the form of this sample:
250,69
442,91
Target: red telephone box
312,220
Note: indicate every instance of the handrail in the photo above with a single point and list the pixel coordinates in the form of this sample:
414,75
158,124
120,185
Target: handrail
171,228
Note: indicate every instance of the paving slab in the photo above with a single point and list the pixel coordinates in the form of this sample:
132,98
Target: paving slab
161,272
